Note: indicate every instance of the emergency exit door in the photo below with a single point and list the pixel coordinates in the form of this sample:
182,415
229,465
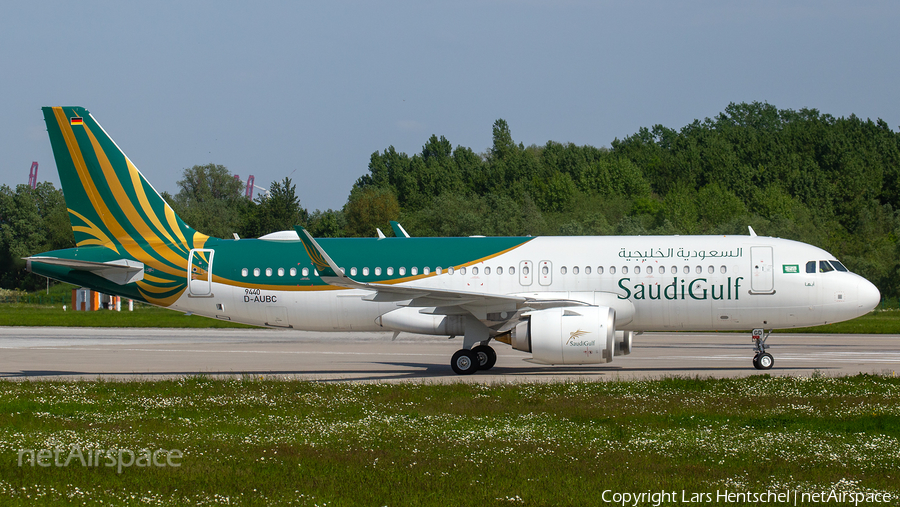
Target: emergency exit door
200,272
762,271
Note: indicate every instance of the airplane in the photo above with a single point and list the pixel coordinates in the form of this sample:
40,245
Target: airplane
564,300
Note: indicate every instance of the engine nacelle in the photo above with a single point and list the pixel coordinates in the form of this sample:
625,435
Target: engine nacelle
573,335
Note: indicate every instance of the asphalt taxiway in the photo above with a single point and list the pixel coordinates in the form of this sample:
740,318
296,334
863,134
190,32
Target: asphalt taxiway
147,354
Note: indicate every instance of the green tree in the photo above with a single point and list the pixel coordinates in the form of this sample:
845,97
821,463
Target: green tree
210,200
327,224
369,208
31,221
276,210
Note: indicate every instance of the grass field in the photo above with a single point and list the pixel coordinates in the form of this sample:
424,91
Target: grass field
255,441
22,314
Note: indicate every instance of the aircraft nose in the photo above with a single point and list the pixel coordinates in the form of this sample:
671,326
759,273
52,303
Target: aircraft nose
869,296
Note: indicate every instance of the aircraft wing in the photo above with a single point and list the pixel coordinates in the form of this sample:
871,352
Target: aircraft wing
422,297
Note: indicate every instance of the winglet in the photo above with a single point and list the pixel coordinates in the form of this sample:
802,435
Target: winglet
399,231
323,263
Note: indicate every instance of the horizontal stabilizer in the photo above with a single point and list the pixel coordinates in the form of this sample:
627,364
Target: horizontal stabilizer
122,271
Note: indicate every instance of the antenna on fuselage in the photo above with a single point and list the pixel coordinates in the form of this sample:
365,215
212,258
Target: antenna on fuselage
752,232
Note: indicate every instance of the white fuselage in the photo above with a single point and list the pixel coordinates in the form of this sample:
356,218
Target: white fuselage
673,282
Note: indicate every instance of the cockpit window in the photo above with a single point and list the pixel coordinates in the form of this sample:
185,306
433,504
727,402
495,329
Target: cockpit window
825,267
838,266
811,267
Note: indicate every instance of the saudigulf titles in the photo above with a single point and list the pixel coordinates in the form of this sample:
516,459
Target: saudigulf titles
681,288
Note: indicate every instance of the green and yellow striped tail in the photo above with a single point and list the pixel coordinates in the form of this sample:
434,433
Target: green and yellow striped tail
112,206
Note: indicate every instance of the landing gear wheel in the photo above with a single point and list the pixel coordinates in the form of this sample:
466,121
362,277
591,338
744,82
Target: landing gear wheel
762,360
464,362
765,361
487,358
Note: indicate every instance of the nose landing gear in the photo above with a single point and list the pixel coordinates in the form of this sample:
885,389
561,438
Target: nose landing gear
762,360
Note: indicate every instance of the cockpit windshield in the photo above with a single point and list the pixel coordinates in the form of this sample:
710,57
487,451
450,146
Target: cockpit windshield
825,266
838,266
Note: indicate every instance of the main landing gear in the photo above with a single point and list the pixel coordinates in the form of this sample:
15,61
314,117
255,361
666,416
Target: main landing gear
762,360
468,361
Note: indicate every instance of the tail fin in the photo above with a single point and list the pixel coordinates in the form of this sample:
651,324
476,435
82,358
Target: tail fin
111,204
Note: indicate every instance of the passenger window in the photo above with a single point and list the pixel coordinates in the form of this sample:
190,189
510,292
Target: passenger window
475,270
402,271
587,270
437,270
255,271
450,270
378,271
352,271
825,267
487,270
268,271
599,270
811,267
687,270
711,270
305,271
512,270
365,271
637,270
293,271
723,269
649,270
698,269
414,271
612,270
390,271
499,270
545,270
426,270
462,270
280,271
624,270
575,270
525,270
562,270
245,272
674,270
838,266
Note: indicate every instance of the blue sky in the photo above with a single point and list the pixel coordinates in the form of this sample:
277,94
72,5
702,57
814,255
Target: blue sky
311,90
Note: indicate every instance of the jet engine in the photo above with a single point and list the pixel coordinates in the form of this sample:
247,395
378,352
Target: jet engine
572,335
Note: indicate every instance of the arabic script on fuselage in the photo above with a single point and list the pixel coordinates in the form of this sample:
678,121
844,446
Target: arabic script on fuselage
680,253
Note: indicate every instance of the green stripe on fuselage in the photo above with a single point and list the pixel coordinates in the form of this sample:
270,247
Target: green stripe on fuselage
234,256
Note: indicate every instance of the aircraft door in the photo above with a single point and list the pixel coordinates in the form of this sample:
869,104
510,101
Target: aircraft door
199,272
762,278
526,273
545,273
